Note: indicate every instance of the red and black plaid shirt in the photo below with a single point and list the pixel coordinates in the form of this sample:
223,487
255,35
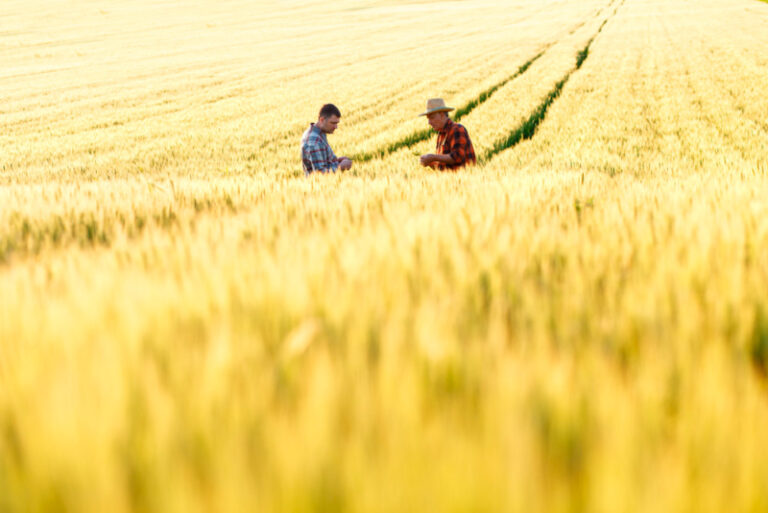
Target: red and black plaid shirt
453,140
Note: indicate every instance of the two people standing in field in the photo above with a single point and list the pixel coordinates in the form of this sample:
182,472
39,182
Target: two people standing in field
454,147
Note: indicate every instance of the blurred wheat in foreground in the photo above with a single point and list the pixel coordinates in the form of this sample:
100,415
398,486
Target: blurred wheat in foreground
579,323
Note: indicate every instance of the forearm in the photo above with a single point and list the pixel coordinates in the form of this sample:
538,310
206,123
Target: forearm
444,159
324,165
321,160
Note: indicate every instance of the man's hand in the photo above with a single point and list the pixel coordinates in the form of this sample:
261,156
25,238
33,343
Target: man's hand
427,160
345,163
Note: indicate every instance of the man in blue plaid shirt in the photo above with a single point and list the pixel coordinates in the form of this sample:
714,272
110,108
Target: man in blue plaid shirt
316,153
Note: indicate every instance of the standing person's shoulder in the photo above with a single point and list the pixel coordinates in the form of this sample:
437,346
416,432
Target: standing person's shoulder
311,137
460,128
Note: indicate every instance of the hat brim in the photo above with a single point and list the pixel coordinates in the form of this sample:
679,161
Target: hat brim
439,109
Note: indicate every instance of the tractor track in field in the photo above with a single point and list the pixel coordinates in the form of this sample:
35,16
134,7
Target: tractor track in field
527,129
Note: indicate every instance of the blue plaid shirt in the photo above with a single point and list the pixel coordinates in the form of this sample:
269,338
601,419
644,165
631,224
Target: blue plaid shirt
316,153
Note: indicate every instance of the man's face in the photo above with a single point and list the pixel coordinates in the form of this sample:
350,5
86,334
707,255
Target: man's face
437,120
329,124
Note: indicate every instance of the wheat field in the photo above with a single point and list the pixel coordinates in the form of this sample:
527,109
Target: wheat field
579,323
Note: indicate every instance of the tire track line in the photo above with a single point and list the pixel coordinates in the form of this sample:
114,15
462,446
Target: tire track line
527,129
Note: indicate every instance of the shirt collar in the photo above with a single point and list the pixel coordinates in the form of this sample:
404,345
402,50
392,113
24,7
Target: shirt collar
314,128
447,126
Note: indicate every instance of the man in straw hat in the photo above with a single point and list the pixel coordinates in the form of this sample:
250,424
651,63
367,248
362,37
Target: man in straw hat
316,153
454,148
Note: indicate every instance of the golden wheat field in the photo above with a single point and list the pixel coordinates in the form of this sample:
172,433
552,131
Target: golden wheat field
579,323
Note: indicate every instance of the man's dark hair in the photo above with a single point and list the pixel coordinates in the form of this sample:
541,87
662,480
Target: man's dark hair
328,110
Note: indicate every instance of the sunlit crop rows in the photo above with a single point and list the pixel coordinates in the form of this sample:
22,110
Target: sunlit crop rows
579,323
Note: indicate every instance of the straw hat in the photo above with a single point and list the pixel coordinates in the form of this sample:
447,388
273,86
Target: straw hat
436,105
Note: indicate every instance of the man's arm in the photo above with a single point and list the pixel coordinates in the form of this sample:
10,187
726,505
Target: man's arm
459,149
459,146
319,158
432,159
